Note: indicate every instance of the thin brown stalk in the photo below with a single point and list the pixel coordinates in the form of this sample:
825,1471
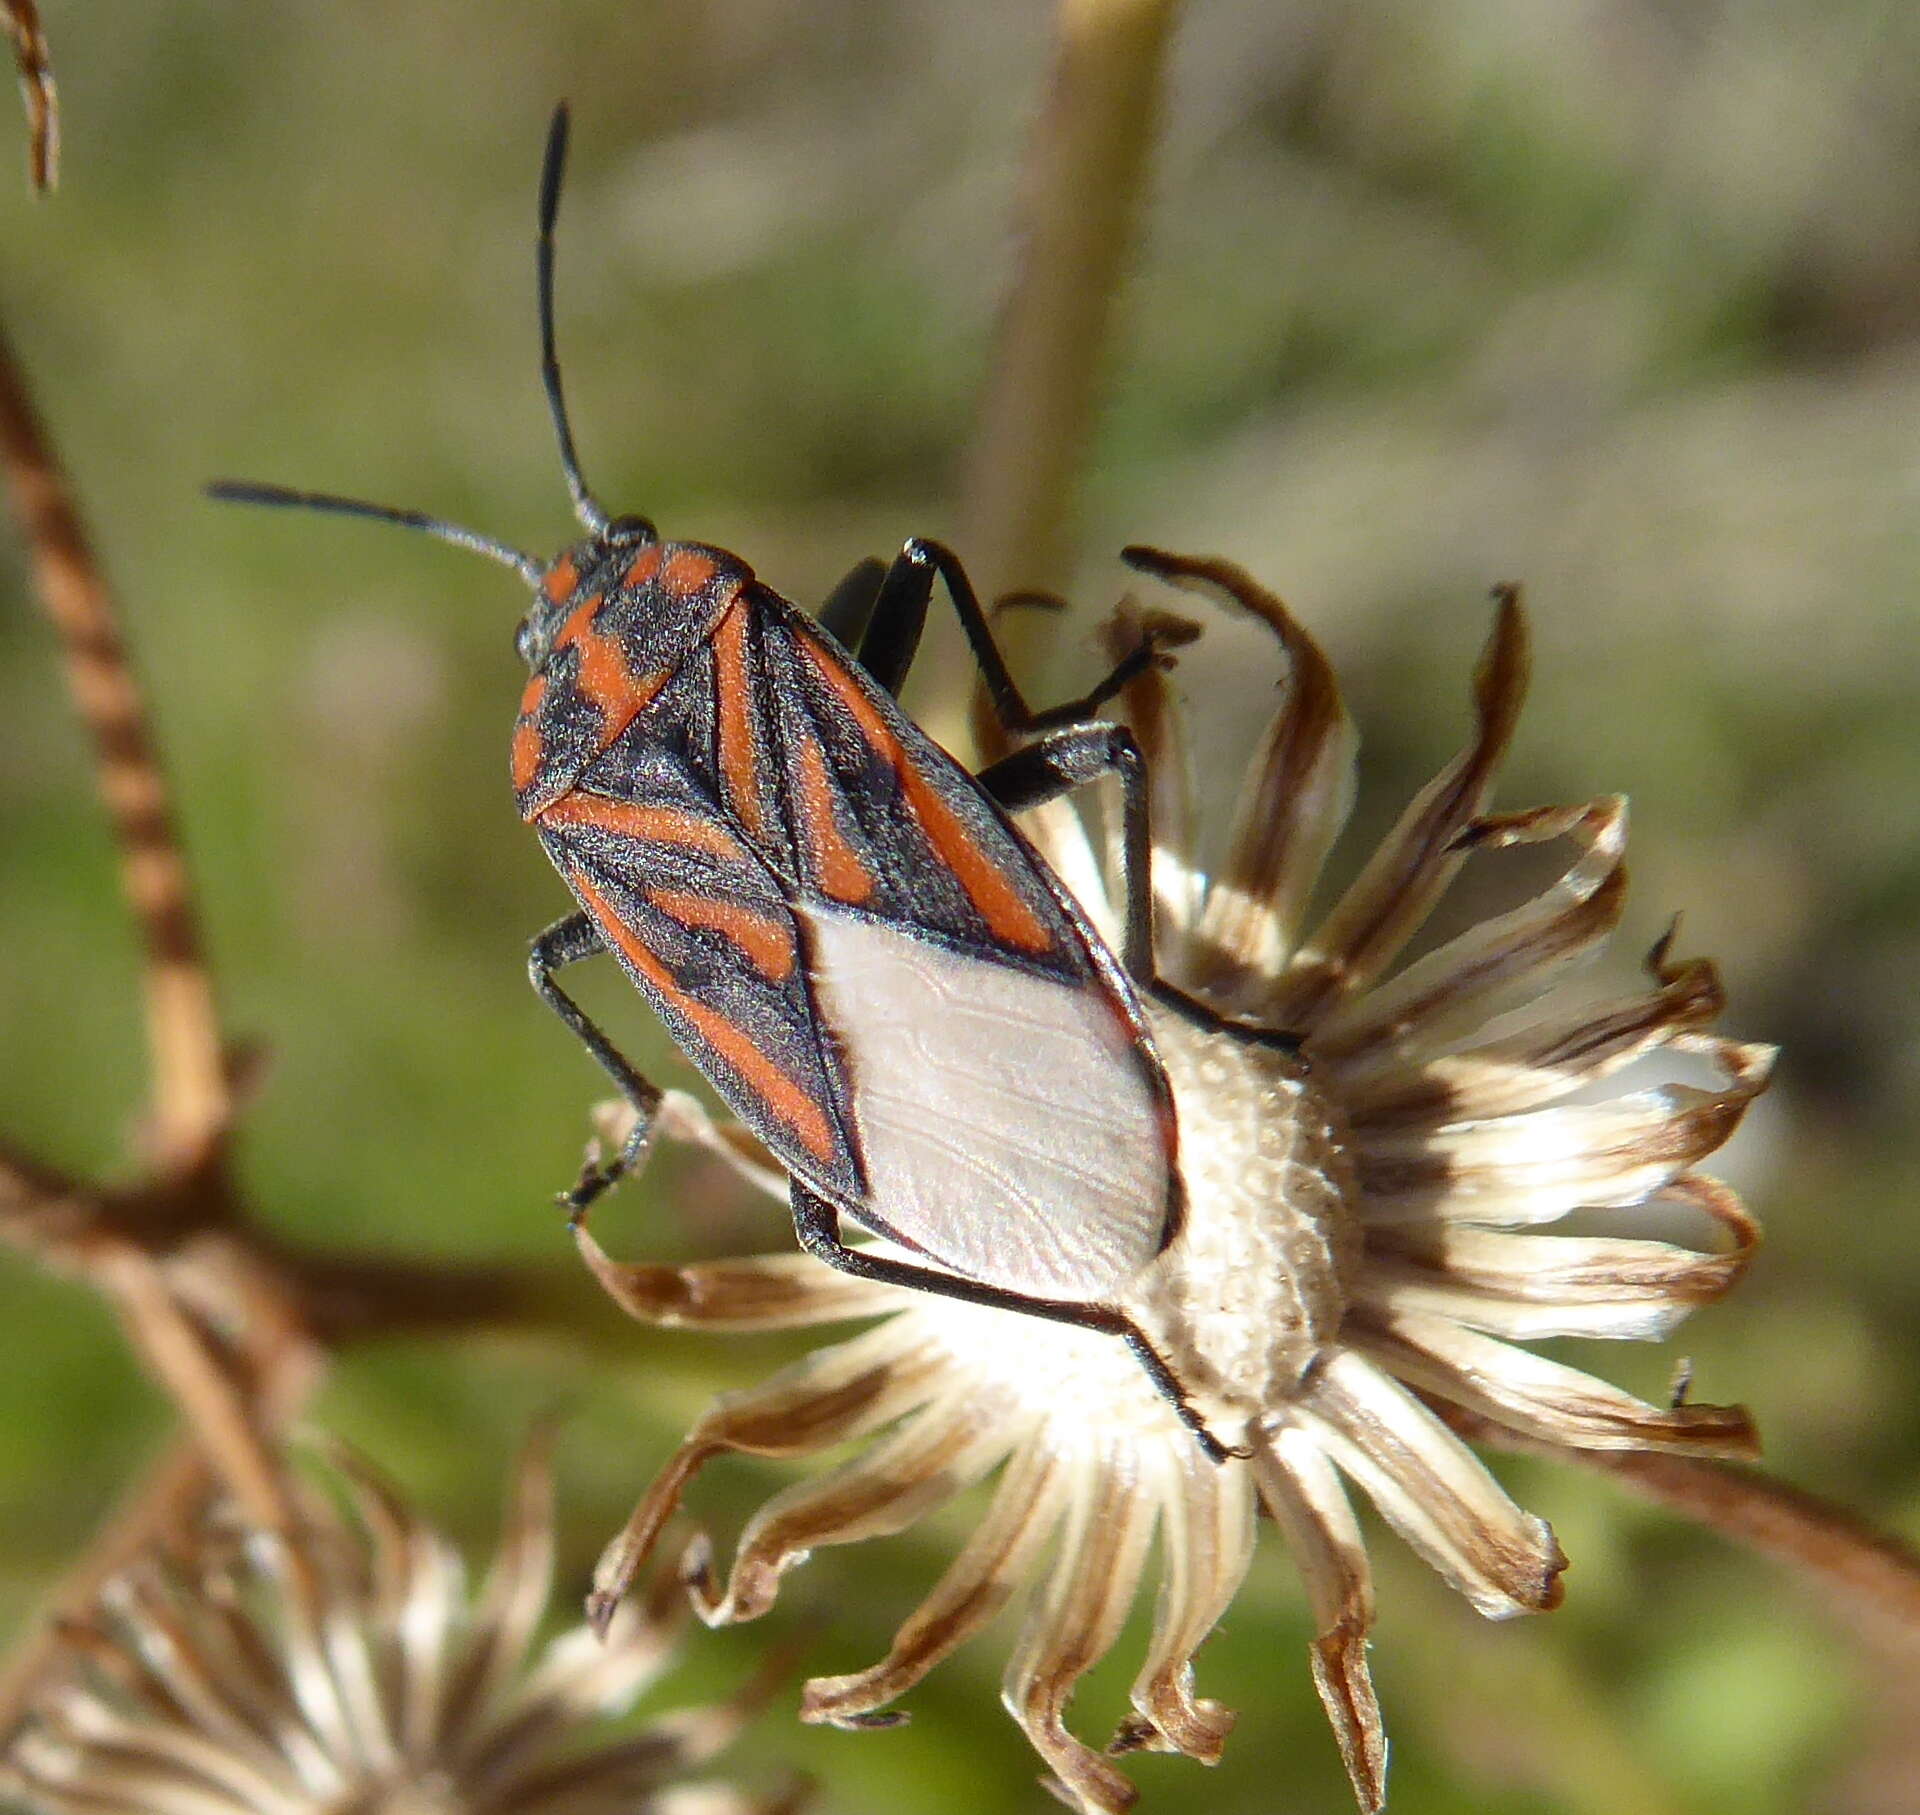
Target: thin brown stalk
192,1103
234,1325
22,20
1082,184
1867,1579
221,1406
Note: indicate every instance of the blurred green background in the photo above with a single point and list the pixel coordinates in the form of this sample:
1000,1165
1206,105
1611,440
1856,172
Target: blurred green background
1621,299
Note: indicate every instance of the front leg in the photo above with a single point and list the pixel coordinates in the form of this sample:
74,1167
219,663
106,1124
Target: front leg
567,942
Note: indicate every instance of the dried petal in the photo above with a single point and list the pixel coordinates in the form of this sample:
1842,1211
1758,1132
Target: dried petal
1299,788
1207,1547
1396,891
1431,1489
1543,1398
1029,1503
1073,1625
1301,1489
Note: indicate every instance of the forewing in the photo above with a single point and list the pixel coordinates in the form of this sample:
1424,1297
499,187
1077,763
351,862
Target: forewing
1009,1115
881,819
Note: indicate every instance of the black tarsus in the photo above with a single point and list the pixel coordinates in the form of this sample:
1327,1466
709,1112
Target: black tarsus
553,169
817,1223
567,942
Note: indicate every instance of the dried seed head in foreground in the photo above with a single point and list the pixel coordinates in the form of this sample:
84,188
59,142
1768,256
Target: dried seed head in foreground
1367,1238
348,1671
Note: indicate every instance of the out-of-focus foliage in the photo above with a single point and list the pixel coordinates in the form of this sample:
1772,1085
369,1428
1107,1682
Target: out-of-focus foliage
1617,299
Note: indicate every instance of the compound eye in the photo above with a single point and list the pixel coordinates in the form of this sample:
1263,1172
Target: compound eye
625,532
523,641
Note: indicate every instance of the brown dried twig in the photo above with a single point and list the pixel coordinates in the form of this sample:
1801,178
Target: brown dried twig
192,1103
235,1325
22,20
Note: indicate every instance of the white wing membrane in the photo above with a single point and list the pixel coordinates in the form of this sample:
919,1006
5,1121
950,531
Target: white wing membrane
1007,1125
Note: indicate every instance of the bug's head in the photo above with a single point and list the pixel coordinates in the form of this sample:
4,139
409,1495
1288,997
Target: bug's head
586,569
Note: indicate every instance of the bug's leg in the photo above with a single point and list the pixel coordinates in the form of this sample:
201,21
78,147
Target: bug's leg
897,615
900,614
1070,758
849,607
567,942
817,1223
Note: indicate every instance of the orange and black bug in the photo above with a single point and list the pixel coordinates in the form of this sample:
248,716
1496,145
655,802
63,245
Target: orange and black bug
837,923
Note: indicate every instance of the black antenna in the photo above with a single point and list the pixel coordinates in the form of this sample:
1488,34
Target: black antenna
552,169
248,491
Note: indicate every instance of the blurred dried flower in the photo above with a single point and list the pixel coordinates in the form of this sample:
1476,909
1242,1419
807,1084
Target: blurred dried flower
1360,1243
347,1671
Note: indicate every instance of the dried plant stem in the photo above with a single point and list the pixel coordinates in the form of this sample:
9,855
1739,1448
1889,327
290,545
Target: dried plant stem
223,1406
331,1299
192,1103
1866,1578
40,1209
236,1327
22,20
1079,201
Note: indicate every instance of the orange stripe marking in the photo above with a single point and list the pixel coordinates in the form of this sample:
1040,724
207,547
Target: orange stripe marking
527,749
739,751
645,565
838,868
579,622
767,942
999,902
629,819
686,571
561,579
785,1096
602,676
528,745
607,684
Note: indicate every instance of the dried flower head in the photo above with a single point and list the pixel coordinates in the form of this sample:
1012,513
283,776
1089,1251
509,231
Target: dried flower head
346,1670
1363,1243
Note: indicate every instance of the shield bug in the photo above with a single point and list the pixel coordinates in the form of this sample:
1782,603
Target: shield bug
838,924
